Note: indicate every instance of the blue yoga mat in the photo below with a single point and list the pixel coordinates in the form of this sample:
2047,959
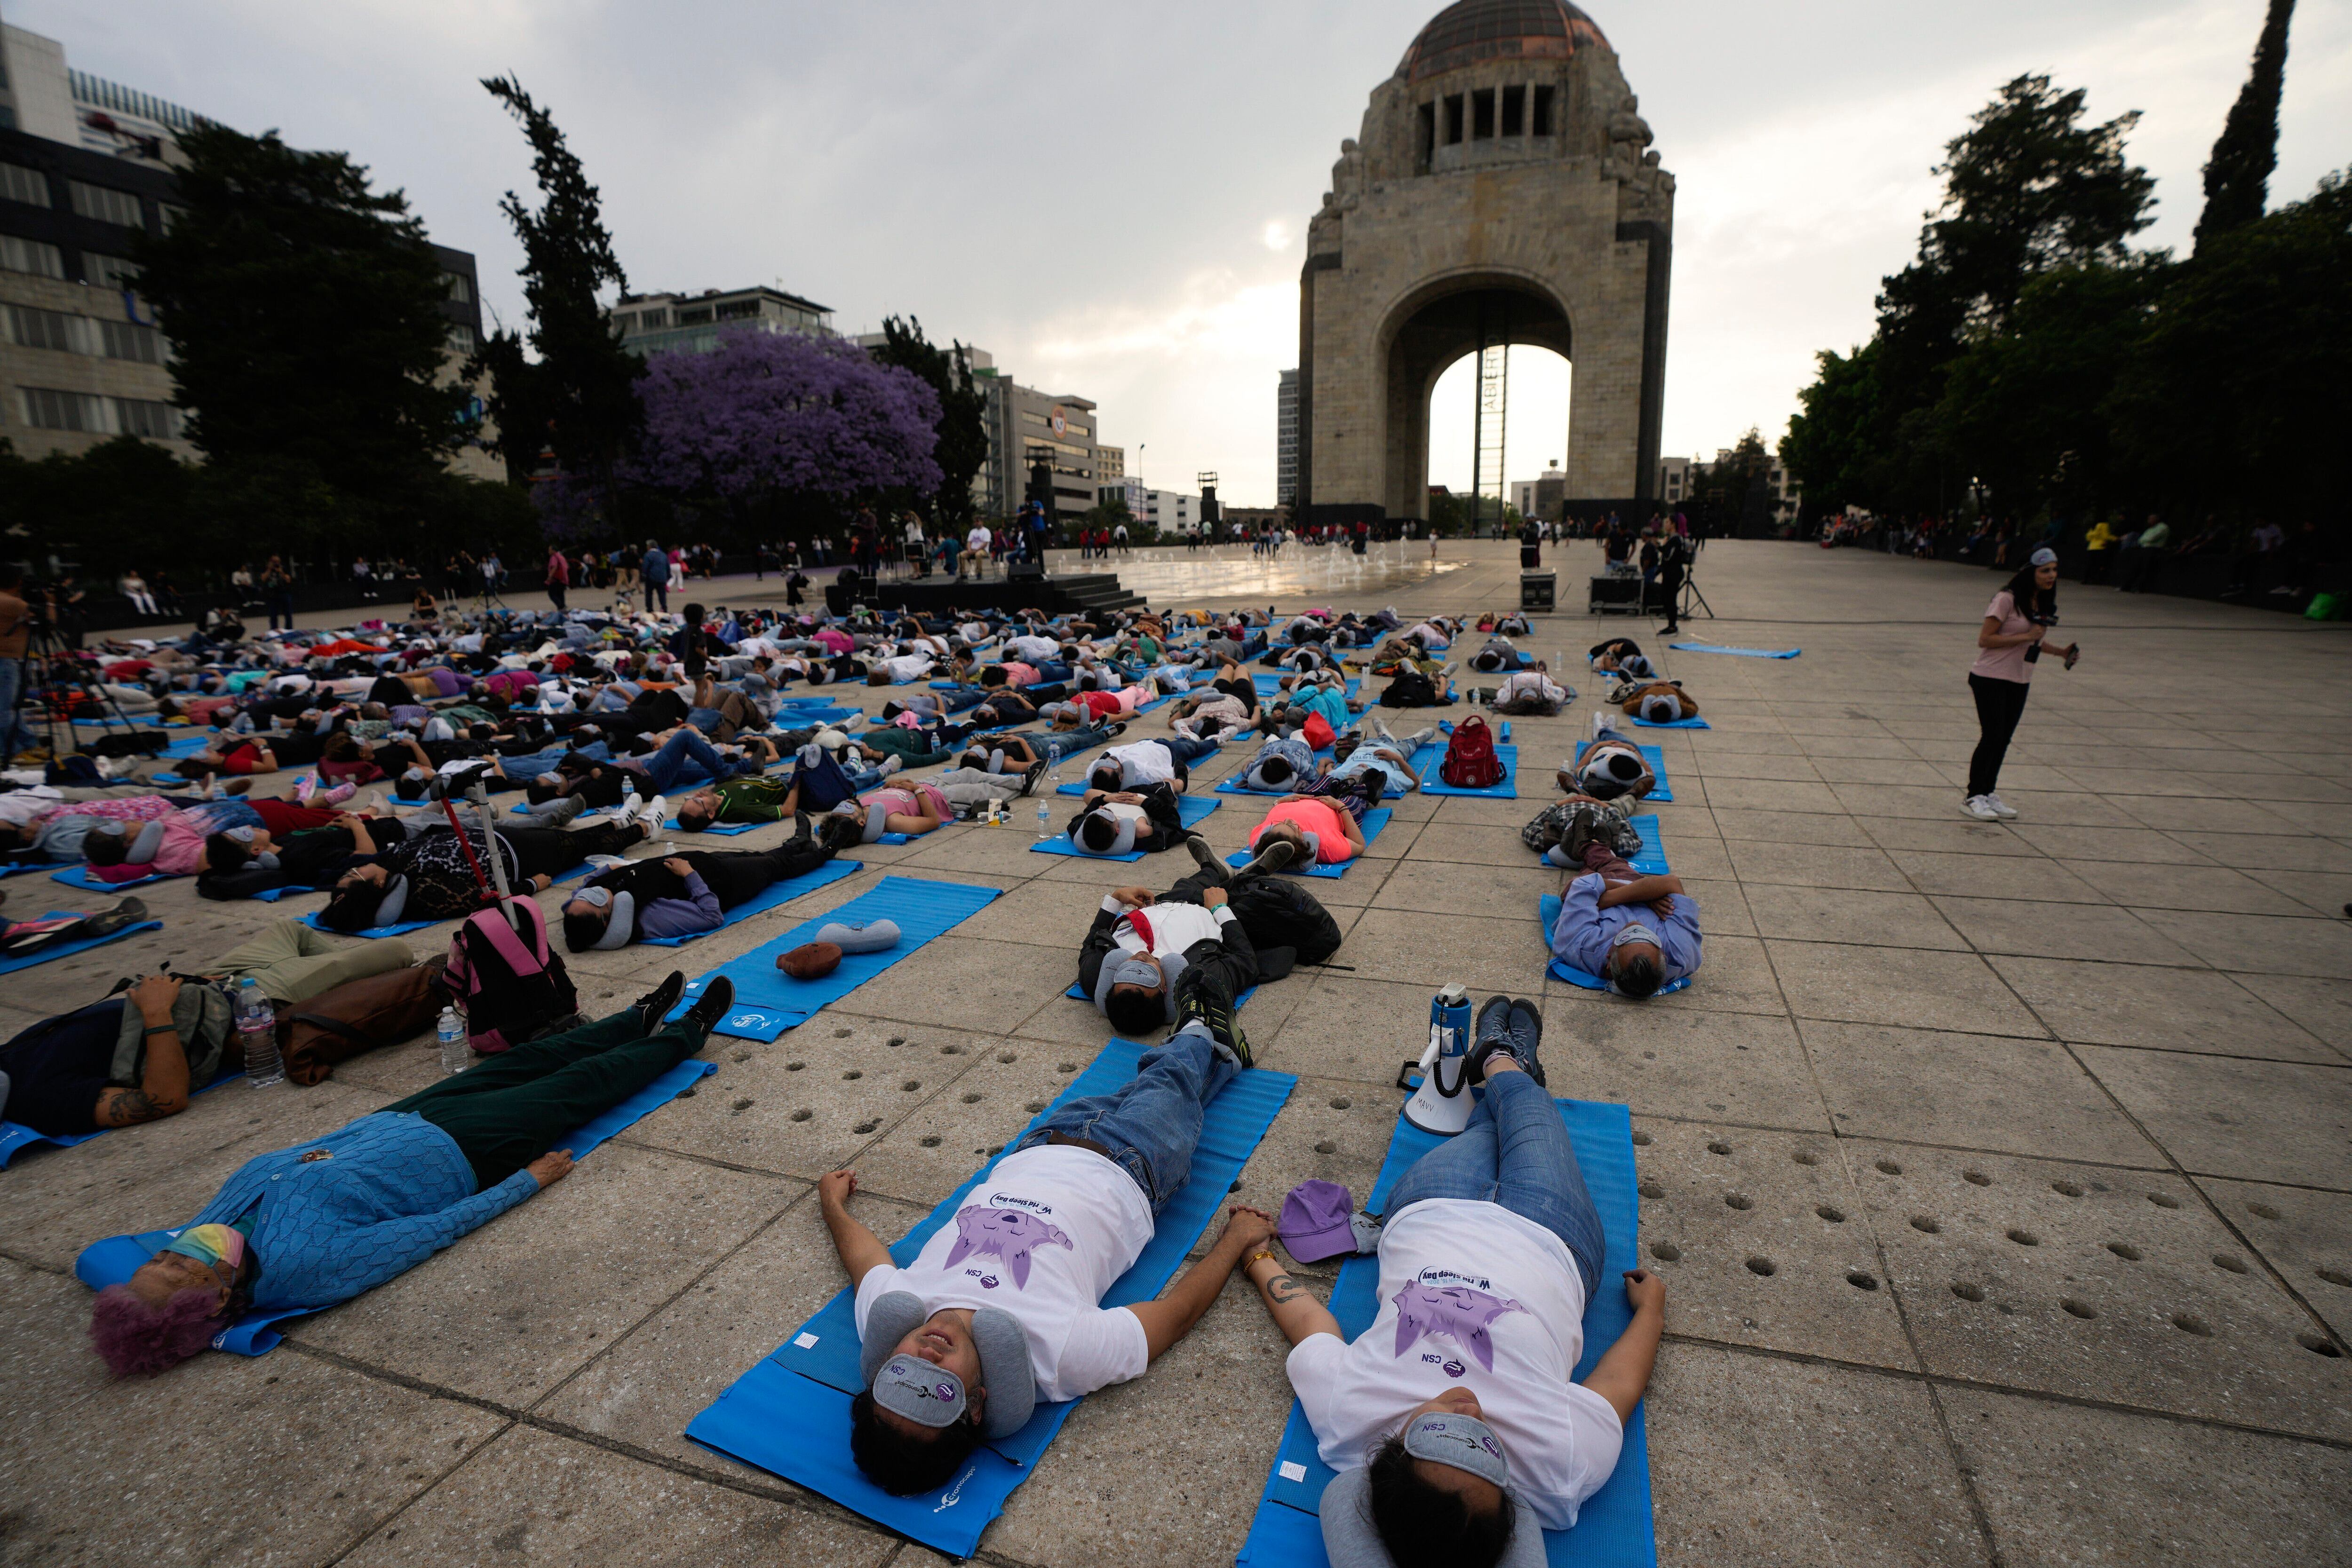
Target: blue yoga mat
67,948
16,1138
1548,911
1677,724
112,1261
187,747
1374,820
803,716
272,894
1614,1528
1741,653
1269,683
789,1414
716,829
79,876
769,897
1191,810
1428,760
26,867
1651,755
768,1001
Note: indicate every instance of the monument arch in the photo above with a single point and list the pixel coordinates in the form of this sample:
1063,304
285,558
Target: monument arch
1501,185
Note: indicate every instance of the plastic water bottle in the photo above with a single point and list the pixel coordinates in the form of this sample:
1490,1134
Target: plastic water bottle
455,1052
1053,769
1045,821
256,1032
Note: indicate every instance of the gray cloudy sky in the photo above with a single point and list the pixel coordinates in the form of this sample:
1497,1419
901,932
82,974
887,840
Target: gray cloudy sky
1111,198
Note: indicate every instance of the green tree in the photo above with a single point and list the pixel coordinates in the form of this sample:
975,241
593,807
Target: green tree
963,409
2238,175
304,312
1840,441
576,392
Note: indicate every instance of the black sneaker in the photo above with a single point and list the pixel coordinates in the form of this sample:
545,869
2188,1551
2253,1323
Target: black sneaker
1199,996
717,1000
655,1005
1216,869
1033,774
1271,858
130,911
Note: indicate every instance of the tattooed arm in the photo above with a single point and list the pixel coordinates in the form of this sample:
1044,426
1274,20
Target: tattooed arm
162,1088
1295,1311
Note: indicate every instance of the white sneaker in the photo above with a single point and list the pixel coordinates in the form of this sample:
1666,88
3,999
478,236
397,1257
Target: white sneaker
1980,808
1601,726
854,722
891,764
626,812
654,814
2000,808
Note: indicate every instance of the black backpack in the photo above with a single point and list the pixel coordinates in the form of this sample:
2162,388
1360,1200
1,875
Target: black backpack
1410,689
1278,914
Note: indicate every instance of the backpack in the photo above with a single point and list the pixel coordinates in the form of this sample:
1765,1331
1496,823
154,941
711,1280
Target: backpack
823,784
512,986
1470,761
1410,689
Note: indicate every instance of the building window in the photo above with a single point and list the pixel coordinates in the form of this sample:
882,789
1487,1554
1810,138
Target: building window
1425,147
1515,109
130,341
736,309
459,289
46,408
18,183
1542,126
461,338
53,329
1454,119
650,321
107,205
138,416
694,316
31,256
171,214
108,271
1481,114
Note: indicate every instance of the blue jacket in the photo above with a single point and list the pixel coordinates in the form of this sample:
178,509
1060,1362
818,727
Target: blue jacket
391,1190
656,567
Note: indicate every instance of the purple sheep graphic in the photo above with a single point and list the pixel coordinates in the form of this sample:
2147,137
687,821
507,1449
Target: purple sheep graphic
1457,1311
1005,1233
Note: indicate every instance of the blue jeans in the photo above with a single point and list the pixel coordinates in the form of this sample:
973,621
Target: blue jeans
681,752
531,764
1516,1152
1185,749
14,736
1151,1122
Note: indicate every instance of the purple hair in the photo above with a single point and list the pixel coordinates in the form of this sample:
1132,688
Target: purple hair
140,1340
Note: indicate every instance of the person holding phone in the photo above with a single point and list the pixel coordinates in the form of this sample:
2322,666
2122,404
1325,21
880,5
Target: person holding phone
2012,641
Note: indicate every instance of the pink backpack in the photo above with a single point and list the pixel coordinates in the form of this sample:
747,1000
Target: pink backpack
511,984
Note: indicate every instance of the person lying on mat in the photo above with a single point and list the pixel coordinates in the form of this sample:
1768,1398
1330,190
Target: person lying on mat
1112,822
1619,653
325,1220
117,1062
681,895
1660,702
1279,763
1454,1421
26,938
913,808
179,843
1322,822
1498,655
1390,758
1612,766
246,861
433,875
1638,933
1163,759
758,799
1260,925
1002,1309
1526,692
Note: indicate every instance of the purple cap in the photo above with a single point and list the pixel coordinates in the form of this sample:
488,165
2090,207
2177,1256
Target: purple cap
1316,1221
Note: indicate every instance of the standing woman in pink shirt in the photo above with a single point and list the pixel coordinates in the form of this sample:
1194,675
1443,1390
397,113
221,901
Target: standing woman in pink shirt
2012,643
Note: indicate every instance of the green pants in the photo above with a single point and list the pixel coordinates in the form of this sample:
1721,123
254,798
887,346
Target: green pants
508,1110
293,963
912,747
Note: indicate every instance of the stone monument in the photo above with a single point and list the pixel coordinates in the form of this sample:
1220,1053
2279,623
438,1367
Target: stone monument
1502,189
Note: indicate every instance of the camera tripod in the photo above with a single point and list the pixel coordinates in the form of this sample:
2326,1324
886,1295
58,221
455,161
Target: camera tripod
51,669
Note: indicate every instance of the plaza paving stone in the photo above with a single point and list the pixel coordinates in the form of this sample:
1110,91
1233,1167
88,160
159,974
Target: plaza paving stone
2040,1134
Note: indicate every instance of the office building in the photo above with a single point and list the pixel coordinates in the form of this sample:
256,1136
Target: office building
1110,463
1286,439
1026,425
1541,498
655,323
1680,479
979,359
85,164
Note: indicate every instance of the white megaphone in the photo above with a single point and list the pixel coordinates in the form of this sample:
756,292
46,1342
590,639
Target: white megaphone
1442,1105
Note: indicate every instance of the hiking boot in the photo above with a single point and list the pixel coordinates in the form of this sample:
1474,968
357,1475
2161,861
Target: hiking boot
1212,867
655,1005
718,1000
1526,1032
1270,859
1201,999
1494,1023
1498,1032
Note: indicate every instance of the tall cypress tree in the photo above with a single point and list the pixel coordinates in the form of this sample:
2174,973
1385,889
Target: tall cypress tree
963,430
579,397
2237,177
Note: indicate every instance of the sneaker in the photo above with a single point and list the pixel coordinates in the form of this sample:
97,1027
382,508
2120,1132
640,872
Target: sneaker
1527,1033
130,911
1201,999
304,787
1032,776
1493,1024
654,814
804,829
1601,726
718,1000
1272,858
1206,858
337,795
1380,729
855,721
561,811
627,811
891,764
2000,808
655,1005
1980,808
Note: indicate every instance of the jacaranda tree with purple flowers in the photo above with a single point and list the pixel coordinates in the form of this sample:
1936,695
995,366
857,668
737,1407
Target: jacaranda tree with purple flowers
771,422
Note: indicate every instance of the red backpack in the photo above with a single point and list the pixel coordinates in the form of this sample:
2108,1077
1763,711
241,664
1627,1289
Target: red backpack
510,985
1470,761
